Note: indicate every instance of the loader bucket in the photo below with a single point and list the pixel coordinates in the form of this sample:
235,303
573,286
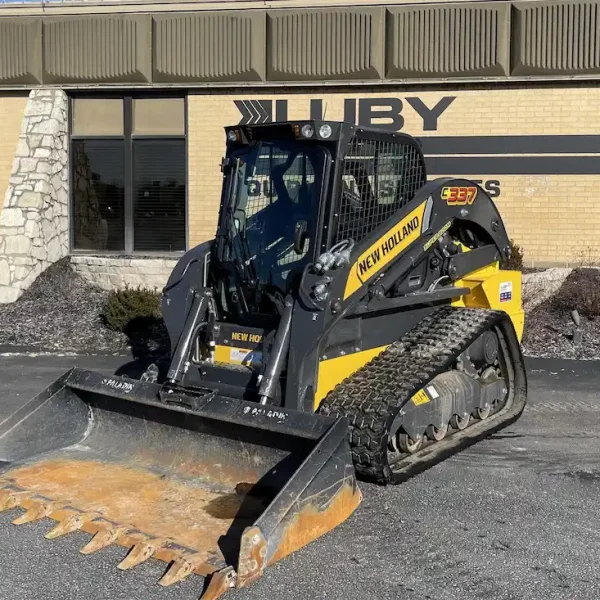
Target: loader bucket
222,490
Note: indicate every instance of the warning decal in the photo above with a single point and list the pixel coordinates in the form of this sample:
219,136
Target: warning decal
506,291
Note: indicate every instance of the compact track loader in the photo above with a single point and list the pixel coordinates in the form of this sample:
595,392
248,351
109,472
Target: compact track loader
350,318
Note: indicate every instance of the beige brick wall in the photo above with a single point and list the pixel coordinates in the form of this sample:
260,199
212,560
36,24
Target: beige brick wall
12,108
555,218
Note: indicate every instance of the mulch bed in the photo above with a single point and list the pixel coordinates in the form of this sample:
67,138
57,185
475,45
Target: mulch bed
549,326
61,312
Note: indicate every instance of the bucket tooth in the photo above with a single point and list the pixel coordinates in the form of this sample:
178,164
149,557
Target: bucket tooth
220,582
141,552
71,524
181,568
104,538
12,499
36,513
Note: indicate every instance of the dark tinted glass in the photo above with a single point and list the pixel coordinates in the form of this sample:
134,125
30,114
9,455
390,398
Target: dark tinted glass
278,187
159,194
98,194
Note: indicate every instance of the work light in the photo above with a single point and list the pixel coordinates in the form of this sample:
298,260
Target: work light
308,130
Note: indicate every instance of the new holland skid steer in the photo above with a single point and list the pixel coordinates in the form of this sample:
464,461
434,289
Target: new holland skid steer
349,318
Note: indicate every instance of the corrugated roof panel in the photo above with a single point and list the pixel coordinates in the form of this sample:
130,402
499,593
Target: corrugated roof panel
20,51
97,49
559,38
333,44
223,46
460,40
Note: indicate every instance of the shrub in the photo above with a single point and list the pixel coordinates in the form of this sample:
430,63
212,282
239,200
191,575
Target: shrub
590,257
515,262
131,304
581,292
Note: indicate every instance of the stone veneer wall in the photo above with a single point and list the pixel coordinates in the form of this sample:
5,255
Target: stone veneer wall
112,273
34,227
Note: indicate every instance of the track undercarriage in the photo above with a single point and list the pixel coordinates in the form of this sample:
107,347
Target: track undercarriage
455,378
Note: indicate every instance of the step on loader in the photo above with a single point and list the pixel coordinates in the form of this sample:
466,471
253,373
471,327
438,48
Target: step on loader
350,318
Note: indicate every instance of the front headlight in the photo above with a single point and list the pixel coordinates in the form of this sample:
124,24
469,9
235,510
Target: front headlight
325,131
308,131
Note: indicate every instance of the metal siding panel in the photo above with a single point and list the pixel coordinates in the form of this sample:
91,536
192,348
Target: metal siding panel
20,51
211,46
331,44
98,49
448,41
556,38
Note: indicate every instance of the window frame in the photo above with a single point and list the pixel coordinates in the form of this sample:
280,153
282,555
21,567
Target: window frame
128,137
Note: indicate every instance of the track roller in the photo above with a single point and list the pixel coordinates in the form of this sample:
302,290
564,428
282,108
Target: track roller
405,444
437,434
482,413
460,422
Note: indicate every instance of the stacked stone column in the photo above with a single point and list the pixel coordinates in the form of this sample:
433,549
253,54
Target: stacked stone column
34,227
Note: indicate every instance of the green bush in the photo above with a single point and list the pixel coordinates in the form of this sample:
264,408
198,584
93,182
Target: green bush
515,262
124,306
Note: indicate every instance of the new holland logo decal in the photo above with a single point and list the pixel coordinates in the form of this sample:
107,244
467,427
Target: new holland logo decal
385,249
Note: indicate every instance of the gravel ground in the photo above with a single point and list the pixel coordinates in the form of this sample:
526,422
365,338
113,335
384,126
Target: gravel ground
511,518
549,334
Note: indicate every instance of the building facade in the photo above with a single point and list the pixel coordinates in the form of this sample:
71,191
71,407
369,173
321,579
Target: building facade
113,114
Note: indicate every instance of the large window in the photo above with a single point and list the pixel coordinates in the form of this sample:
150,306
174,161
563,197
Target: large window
128,174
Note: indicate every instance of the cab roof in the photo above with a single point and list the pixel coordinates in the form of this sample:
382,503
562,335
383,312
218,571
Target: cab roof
318,130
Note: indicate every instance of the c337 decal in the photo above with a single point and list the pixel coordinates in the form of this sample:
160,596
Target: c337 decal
459,195
385,249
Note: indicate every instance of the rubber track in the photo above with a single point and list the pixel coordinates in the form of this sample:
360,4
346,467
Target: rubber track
373,395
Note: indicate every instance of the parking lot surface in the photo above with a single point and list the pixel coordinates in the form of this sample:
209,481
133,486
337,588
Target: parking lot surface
514,517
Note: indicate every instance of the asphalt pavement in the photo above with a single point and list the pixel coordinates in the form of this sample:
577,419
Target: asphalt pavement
514,517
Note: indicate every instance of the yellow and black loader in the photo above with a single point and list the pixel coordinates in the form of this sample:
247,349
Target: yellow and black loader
349,318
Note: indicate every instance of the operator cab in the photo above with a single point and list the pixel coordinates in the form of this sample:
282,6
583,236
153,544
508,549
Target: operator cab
274,190
296,199
284,203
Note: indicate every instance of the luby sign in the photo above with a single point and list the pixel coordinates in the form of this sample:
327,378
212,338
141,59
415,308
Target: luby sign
387,113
